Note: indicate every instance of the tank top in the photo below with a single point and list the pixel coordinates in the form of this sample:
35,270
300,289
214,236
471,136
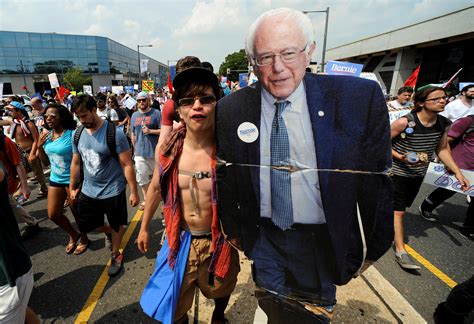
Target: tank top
420,139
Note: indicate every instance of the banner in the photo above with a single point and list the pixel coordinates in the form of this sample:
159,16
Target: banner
143,65
128,89
87,89
343,68
117,89
438,176
395,114
172,72
53,80
148,85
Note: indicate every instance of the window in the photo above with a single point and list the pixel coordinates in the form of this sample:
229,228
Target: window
35,40
46,41
22,40
7,39
59,41
71,42
10,52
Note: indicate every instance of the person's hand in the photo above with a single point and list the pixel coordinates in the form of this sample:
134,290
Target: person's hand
463,181
25,190
145,130
43,138
142,240
32,157
134,199
73,194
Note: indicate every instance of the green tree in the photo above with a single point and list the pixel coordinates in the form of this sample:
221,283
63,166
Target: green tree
236,61
74,79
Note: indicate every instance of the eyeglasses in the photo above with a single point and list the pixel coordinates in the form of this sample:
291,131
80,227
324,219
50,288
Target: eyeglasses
438,99
50,115
287,56
141,100
205,100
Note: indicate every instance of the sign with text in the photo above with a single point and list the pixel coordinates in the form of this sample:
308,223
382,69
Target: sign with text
395,114
438,176
148,85
117,89
243,79
343,68
53,80
87,89
130,103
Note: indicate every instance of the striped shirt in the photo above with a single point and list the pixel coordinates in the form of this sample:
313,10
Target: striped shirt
420,139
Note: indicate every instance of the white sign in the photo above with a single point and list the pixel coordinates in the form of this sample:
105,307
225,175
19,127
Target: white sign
130,103
117,89
439,177
395,114
53,80
135,87
143,65
87,89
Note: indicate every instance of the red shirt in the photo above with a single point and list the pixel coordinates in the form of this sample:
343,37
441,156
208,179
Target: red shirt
167,113
15,159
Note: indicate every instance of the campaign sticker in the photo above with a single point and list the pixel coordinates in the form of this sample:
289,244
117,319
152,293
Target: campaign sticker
411,124
247,132
409,130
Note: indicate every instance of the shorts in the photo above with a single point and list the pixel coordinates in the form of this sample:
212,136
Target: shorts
91,212
405,190
196,275
58,185
145,168
14,300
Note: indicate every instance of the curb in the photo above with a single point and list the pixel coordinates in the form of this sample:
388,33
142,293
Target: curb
391,297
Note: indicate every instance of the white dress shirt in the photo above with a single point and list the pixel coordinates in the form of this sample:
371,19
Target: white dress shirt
305,191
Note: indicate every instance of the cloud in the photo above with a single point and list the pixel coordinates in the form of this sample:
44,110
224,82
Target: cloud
95,29
132,24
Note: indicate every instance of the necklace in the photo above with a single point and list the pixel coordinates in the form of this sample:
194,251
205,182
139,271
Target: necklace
55,136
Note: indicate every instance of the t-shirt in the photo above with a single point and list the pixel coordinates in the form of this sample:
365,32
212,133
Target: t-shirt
167,113
14,259
60,156
103,174
15,158
145,144
463,152
103,113
456,109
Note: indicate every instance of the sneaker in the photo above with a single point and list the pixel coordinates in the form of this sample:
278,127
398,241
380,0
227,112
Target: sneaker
108,241
428,215
116,264
405,261
30,231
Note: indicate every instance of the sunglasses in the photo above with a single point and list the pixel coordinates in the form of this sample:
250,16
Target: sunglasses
141,100
205,100
50,115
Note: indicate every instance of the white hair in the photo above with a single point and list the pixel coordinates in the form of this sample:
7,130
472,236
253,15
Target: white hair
284,14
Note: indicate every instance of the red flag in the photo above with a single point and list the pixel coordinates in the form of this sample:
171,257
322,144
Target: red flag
411,81
170,84
450,81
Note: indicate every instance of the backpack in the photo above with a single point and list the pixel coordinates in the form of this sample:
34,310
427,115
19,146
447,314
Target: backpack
111,144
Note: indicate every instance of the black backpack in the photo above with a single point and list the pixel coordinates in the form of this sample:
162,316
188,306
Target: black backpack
111,144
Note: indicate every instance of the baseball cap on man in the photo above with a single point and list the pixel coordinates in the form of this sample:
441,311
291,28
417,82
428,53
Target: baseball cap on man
16,104
142,95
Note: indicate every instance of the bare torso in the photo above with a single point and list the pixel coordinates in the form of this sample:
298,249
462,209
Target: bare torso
192,160
24,142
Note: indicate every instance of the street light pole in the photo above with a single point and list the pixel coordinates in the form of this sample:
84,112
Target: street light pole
139,67
323,58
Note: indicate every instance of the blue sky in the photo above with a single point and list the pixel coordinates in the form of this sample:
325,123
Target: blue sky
210,29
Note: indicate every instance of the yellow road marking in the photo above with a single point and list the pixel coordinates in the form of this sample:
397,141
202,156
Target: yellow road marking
99,288
428,265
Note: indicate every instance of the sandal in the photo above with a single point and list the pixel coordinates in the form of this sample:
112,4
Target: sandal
71,247
81,248
142,206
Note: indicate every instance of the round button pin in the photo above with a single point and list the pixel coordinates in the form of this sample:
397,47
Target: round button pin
247,132
320,113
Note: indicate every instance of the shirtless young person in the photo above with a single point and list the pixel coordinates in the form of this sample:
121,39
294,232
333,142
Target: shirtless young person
25,134
186,161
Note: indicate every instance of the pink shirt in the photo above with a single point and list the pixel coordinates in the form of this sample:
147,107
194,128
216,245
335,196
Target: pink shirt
463,152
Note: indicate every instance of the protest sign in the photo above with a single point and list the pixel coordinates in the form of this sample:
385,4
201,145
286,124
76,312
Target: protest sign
135,87
117,89
148,85
87,89
73,93
53,80
128,89
243,79
395,114
130,103
438,176
343,68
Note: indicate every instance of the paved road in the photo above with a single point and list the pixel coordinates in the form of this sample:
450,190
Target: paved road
63,283
441,245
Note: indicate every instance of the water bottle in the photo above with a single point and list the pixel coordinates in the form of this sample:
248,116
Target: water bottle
412,157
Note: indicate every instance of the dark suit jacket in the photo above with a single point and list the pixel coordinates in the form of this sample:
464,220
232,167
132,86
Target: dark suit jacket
351,132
